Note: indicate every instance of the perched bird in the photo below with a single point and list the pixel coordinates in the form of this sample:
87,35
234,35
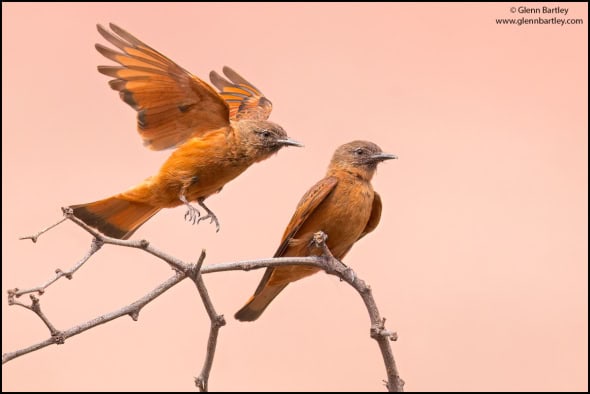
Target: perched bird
217,136
343,205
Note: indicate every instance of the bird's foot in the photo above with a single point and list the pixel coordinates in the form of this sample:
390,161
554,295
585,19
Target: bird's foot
192,213
210,215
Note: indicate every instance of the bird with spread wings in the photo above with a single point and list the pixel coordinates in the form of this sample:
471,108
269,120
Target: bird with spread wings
217,135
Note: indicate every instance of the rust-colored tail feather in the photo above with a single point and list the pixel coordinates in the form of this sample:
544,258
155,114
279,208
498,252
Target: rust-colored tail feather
115,216
258,302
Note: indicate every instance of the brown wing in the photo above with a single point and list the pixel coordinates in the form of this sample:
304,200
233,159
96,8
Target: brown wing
172,104
308,203
245,101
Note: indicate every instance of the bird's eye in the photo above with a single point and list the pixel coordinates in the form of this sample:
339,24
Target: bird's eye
359,151
265,133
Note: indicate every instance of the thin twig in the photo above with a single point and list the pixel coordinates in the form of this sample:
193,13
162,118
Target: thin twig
36,308
34,237
247,265
177,264
131,310
217,321
94,247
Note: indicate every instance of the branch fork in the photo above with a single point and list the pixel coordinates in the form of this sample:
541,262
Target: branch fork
326,261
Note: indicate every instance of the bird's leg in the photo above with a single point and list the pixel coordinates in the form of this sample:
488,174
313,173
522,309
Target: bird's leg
210,214
192,213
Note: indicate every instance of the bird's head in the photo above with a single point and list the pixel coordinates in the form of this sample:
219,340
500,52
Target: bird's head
359,157
264,138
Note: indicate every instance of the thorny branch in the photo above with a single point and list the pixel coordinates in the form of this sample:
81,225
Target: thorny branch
326,262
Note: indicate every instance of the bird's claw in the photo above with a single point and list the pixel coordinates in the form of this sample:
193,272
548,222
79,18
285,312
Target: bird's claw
210,215
192,214
213,218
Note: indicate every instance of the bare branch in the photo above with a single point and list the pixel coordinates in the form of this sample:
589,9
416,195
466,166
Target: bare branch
177,264
34,237
94,247
132,310
217,321
35,307
378,331
247,265
326,262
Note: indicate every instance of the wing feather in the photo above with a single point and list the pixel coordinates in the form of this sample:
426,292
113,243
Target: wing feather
172,104
307,205
244,99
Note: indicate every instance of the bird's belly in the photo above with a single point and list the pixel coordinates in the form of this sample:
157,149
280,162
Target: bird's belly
194,182
197,169
342,216
209,182
345,227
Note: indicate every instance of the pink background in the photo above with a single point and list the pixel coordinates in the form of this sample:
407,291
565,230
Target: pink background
480,260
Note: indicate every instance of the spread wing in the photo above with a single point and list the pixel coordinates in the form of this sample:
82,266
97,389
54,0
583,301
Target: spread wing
244,99
309,202
172,104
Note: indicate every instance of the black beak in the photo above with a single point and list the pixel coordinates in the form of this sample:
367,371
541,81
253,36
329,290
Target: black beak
289,142
383,156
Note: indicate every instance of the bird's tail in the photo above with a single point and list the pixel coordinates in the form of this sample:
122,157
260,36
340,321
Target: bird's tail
263,296
115,216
